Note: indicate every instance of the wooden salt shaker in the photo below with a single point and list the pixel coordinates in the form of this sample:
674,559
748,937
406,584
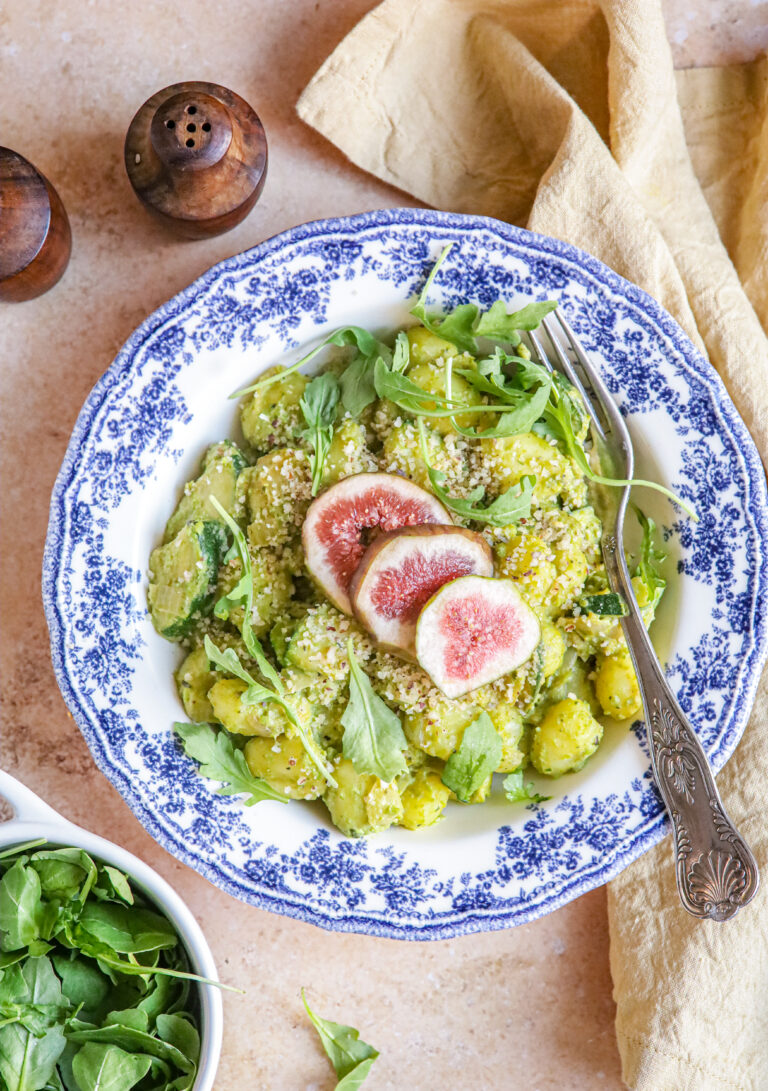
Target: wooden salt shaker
196,155
35,237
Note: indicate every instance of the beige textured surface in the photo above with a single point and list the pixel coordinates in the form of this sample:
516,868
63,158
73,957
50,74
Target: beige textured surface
530,1006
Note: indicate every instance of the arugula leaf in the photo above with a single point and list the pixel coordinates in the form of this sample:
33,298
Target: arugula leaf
561,419
520,410
650,558
220,760
256,693
609,604
465,323
345,335
242,594
179,1033
497,325
27,1060
20,850
518,792
373,735
127,929
358,390
318,404
512,505
19,896
108,1068
407,395
476,758
351,1058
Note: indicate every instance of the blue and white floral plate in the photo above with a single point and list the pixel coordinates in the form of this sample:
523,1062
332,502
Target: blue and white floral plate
141,434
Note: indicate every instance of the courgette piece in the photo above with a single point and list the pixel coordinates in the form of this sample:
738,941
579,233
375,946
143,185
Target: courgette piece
222,465
183,577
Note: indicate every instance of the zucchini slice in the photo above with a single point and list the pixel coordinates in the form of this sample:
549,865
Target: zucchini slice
222,465
183,577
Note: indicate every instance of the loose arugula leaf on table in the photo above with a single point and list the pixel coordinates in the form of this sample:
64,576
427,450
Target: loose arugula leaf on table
350,1056
373,735
256,693
367,344
506,509
650,558
108,1068
219,759
318,404
518,792
476,758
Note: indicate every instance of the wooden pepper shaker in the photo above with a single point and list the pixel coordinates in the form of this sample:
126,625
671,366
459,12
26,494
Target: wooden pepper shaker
196,155
35,237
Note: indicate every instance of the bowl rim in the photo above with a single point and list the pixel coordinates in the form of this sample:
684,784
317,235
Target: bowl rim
647,833
34,819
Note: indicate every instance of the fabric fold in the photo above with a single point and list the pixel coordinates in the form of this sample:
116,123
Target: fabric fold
565,118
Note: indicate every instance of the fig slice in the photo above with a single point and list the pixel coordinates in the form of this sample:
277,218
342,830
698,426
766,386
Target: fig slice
340,522
403,568
473,631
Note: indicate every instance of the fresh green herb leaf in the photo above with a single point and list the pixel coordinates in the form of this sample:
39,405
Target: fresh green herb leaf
242,594
407,395
349,1056
257,693
318,404
562,418
179,1033
650,558
476,758
99,1067
518,792
20,850
19,896
346,335
609,604
28,1059
520,409
127,929
358,390
506,509
497,325
373,735
220,760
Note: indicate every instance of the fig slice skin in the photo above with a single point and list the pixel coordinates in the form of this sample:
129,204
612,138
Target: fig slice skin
473,631
402,569
336,529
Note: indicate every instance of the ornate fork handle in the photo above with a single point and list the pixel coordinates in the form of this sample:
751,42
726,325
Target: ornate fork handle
716,871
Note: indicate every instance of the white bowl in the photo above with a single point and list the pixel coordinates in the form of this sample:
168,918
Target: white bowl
33,819
140,436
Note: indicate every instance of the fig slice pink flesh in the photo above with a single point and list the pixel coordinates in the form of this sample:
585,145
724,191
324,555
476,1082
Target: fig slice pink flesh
340,522
473,631
402,569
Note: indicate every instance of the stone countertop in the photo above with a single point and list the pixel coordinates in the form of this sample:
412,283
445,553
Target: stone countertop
530,1005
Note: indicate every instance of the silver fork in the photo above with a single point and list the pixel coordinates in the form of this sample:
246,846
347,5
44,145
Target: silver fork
716,871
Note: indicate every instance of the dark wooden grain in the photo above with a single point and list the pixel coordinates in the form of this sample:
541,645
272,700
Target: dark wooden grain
35,237
196,156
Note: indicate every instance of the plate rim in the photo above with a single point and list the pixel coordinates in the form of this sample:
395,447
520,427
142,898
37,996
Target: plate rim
648,833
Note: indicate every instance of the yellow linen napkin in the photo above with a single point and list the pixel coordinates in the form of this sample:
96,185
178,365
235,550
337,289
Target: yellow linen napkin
563,116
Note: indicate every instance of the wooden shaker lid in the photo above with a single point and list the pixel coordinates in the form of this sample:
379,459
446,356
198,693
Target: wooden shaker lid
196,155
35,237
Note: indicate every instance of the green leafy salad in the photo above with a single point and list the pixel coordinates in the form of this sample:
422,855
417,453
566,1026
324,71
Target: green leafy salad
95,988
394,587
